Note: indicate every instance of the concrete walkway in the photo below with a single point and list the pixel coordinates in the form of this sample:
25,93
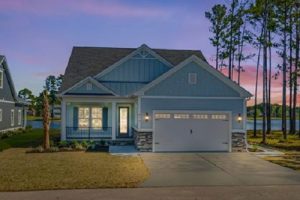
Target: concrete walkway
214,169
187,193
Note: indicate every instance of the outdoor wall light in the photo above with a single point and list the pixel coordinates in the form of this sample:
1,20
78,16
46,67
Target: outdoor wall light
146,117
239,118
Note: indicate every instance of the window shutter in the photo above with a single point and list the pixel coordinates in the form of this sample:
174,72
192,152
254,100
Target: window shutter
75,118
105,118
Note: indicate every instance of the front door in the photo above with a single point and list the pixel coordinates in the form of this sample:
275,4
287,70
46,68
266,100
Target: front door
123,121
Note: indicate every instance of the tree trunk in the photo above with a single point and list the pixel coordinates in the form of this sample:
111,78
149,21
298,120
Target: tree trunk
291,131
217,58
46,121
269,117
265,73
284,75
230,41
297,61
256,85
240,55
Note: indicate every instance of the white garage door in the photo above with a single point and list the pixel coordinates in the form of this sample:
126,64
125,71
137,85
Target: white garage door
191,131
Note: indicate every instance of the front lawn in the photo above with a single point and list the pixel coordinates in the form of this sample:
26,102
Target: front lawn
31,138
290,160
290,147
275,140
63,170
68,170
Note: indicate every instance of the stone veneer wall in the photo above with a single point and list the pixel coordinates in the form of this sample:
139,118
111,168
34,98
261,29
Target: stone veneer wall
239,142
143,141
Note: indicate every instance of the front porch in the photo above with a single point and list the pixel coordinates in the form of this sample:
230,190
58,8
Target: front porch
98,119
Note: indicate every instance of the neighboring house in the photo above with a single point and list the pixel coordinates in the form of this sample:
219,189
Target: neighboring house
12,108
56,109
163,100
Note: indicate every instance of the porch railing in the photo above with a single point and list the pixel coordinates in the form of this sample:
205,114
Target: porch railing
88,133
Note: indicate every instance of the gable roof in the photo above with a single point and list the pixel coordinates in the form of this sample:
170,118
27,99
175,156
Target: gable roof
243,93
3,62
90,61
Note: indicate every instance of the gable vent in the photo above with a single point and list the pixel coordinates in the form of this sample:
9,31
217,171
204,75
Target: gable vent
192,77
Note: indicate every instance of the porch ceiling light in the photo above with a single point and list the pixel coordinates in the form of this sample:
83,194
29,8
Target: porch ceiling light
239,118
146,118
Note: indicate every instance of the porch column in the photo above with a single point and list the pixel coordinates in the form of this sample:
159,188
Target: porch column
113,120
63,120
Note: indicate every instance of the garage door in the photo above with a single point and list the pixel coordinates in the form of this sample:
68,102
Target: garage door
191,131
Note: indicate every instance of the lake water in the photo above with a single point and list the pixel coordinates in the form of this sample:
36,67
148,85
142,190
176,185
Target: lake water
276,124
39,124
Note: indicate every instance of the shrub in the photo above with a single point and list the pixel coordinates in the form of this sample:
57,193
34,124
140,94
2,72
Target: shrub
28,127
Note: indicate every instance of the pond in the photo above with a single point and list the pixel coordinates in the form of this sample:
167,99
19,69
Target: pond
39,124
276,124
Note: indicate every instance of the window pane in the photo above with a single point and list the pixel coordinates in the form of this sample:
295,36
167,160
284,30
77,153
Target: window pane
96,123
83,123
84,112
96,112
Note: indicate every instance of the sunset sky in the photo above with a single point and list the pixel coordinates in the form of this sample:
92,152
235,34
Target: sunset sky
37,36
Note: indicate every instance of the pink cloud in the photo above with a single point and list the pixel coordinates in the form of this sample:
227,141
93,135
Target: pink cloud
91,7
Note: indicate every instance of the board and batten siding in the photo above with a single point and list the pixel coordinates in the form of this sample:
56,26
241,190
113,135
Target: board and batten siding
133,74
236,106
207,85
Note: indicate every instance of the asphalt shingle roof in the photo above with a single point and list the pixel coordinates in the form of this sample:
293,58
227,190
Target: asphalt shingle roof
90,61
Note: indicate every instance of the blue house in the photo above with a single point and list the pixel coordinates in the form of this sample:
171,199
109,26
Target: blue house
158,99
12,108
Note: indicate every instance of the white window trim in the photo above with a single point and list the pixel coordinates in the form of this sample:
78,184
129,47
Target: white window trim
2,77
19,117
1,114
12,117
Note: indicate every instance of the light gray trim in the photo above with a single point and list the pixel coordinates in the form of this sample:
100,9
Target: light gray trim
80,83
187,97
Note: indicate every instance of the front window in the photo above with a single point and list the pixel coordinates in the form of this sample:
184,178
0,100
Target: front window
96,117
90,117
83,117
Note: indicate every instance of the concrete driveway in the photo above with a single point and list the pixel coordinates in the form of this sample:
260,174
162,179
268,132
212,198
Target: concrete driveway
214,169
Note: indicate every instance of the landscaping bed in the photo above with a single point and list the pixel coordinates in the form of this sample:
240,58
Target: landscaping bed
290,160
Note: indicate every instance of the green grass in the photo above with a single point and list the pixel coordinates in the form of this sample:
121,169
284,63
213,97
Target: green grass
290,147
275,140
31,138
35,118
290,160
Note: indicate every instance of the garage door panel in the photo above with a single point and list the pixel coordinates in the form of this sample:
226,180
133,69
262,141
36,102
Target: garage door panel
191,134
